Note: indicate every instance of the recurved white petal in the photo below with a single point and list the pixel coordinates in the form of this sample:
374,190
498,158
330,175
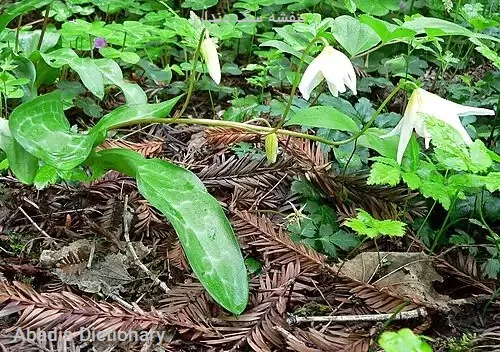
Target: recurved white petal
464,110
311,78
404,138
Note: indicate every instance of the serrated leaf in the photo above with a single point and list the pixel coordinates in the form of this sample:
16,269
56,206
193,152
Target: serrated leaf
323,117
198,219
46,175
344,240
411,179
391,227
365,224
436,191
491,268
384,174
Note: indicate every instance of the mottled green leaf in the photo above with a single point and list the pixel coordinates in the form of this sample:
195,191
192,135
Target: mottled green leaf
126,115
198,219
23,165
41,128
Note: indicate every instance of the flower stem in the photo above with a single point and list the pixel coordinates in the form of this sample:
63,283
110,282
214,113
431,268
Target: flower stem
44,26
191,79
442,229
296,82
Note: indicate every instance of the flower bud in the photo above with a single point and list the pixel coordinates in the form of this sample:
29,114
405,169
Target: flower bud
271,144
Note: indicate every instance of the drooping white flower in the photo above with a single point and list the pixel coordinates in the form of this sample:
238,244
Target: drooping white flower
422,104
333,66
209,52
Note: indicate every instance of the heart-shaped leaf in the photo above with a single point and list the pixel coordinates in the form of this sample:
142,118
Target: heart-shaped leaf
354,36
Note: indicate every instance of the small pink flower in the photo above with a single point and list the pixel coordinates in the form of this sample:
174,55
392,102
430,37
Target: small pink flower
100,43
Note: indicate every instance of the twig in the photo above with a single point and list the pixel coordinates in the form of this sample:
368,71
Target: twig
33,222
127,217
411,314
286,334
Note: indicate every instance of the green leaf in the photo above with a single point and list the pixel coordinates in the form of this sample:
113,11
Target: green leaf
126,56
19,8
286,48
344,240
112,73
350,6
436,27
385,30
436,191
378,8
487,52
391,227
384,146
491,268
85,67
199,4
354,36
125,115
323,117
365,224
480,156
381,174
303,229
411,179
198,219
46,175
41,128
23,165
403,341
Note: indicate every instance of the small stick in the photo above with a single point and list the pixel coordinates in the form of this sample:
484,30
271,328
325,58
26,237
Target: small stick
91,255
33,222
289,336
411,314
126,219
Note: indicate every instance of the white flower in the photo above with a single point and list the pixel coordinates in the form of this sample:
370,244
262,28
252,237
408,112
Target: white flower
333,66
422,104
211,57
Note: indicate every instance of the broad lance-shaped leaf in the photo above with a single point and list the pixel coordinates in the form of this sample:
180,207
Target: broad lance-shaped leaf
23,164
203,229
41,128
131,114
